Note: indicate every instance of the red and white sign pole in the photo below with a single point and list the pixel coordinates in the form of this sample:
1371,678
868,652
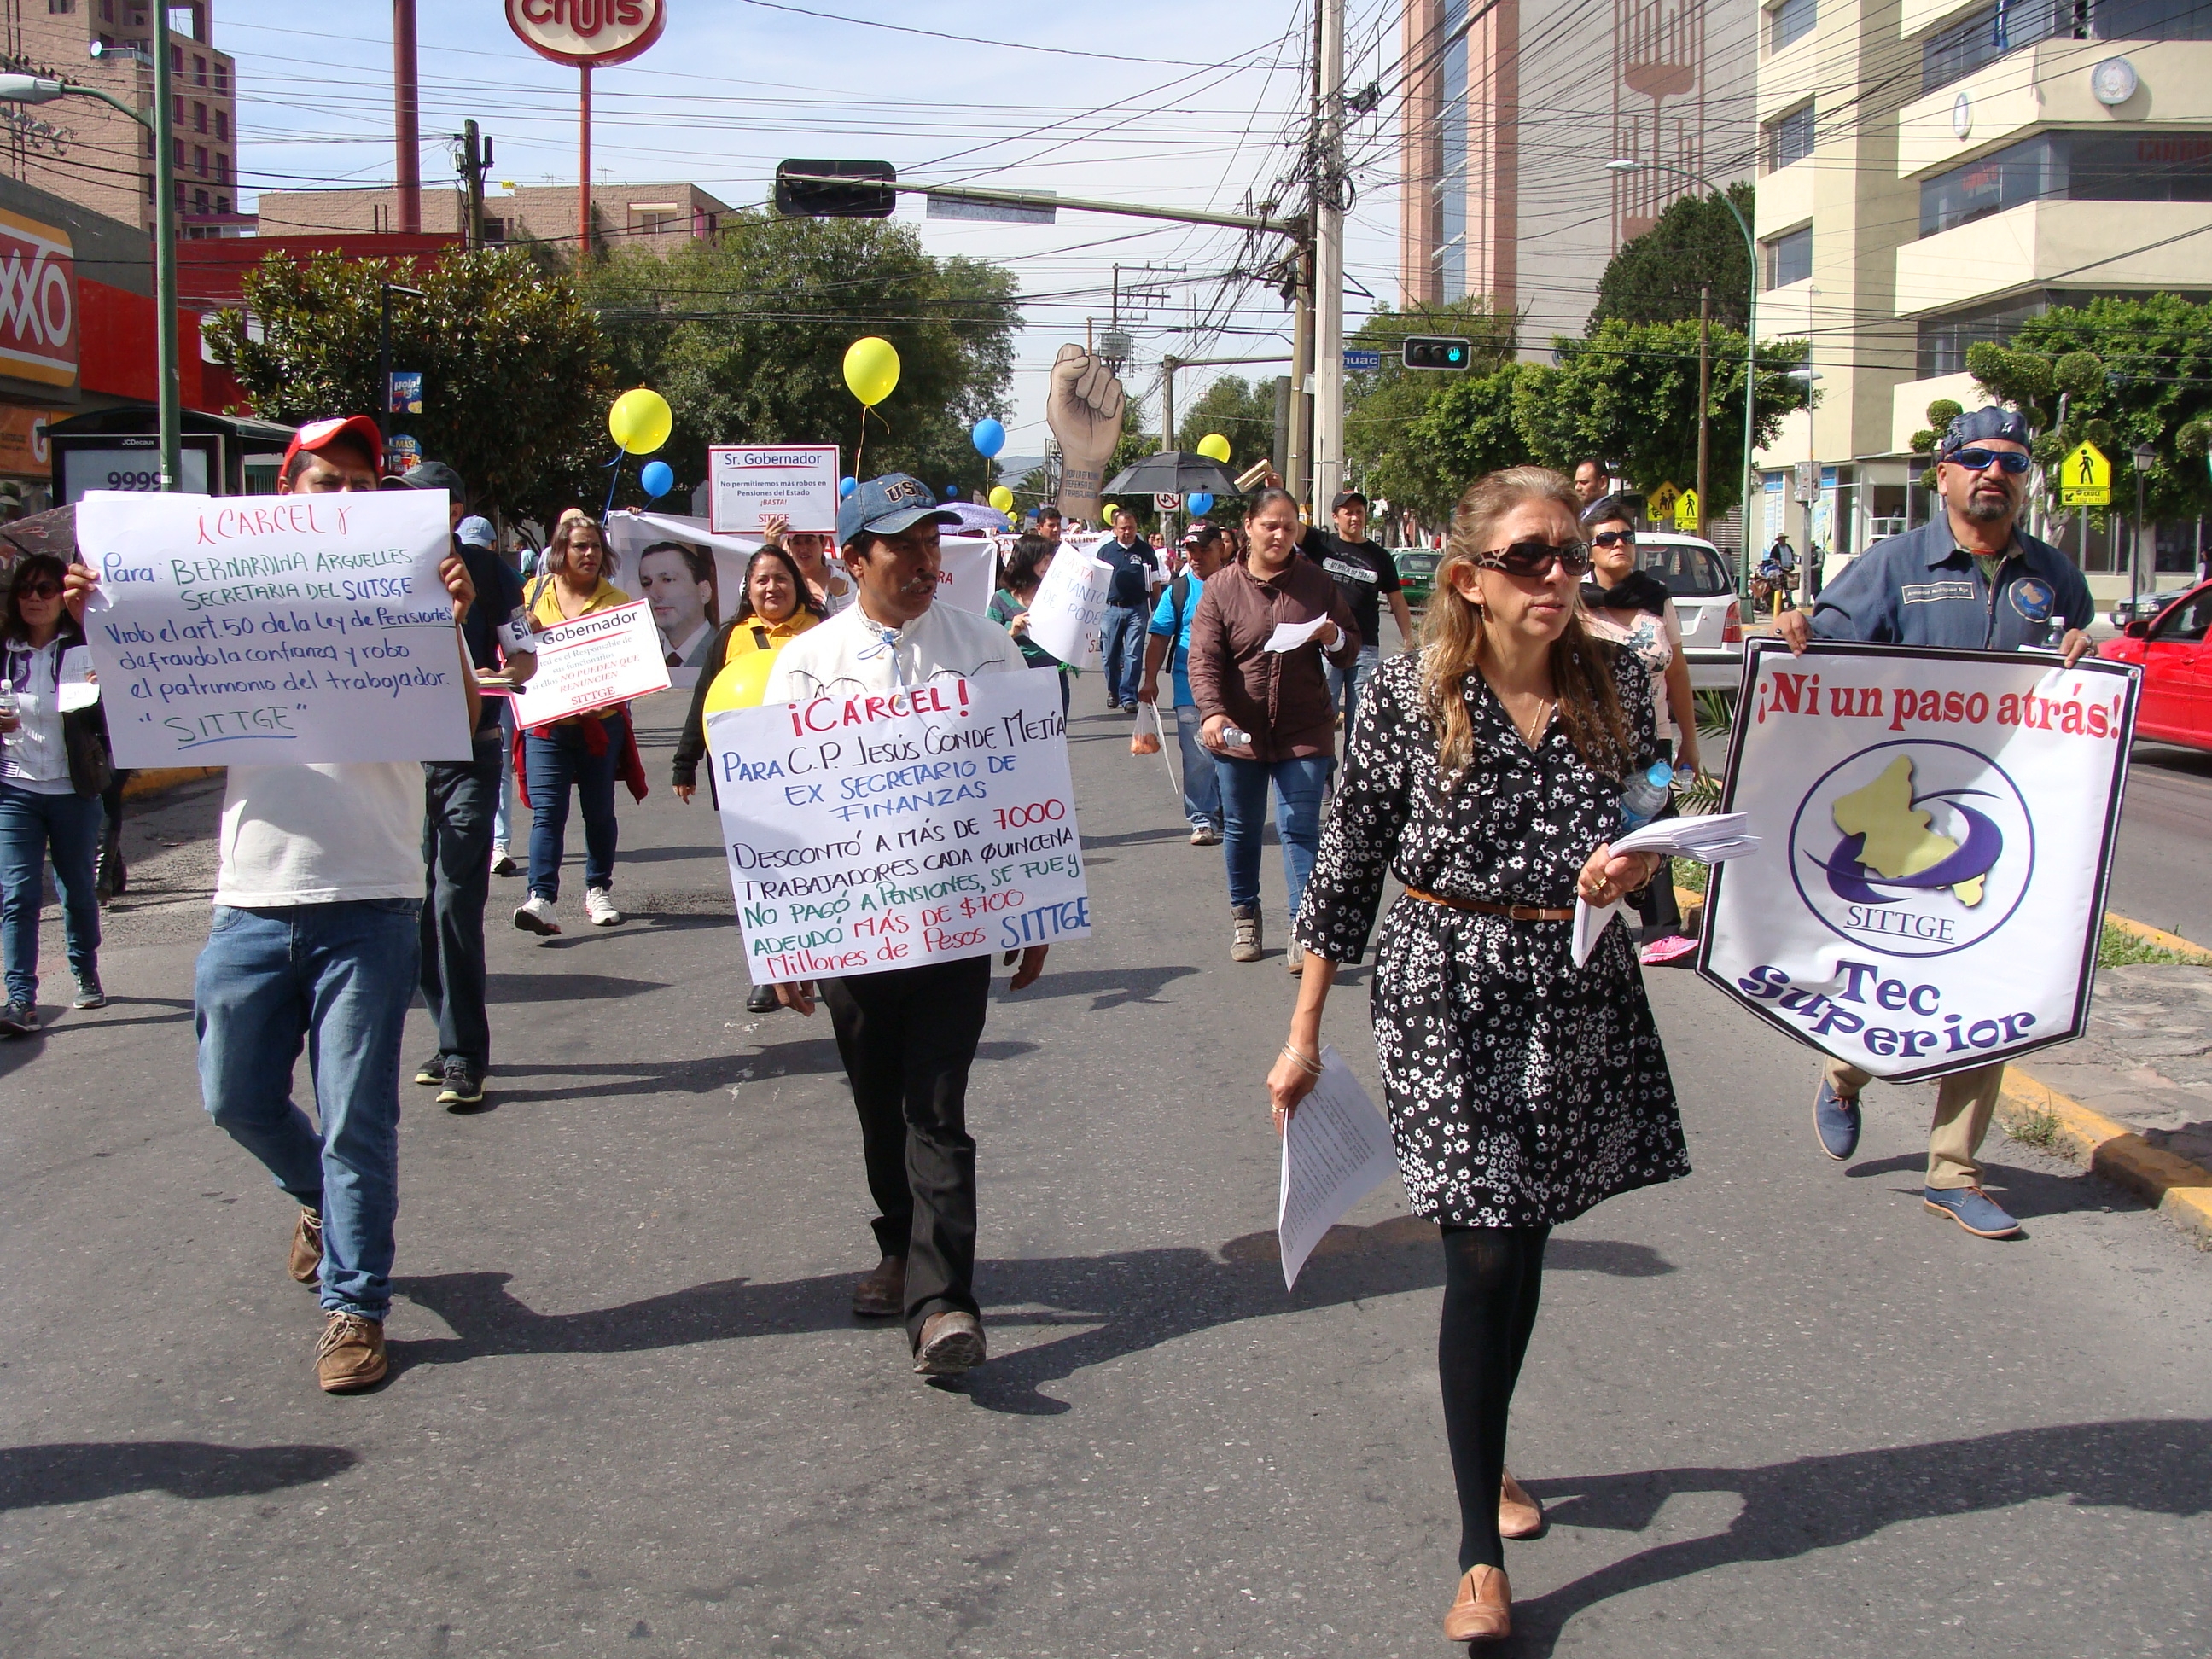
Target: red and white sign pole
586,34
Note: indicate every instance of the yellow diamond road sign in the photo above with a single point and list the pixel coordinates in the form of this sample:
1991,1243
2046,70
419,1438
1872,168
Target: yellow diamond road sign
2085,478
1686,510
1661,502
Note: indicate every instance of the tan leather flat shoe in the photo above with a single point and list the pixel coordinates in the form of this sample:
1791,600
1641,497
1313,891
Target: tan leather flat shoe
1519,1515
1483,1610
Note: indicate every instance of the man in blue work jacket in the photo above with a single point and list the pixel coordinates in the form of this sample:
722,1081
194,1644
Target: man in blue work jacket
1970,579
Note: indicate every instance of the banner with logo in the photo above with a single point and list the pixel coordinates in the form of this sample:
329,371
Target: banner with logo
924,824
1937,829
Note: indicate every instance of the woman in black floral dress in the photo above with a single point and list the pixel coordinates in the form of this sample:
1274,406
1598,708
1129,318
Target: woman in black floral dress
1486,773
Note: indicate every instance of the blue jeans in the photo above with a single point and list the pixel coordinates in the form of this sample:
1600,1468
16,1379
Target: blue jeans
1346,688
336,979
554,764
1201,784
502,823
1298,784
30,824
1123,648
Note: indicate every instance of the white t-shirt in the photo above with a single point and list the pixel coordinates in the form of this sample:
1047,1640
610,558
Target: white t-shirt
321,835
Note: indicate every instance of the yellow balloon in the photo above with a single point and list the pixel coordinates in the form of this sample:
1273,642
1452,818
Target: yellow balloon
1214,447
640,421
872,368
1003,499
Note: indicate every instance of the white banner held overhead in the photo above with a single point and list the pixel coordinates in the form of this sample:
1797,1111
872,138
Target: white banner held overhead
1067,617
261,630
1935,830
883,832
594,662
749,484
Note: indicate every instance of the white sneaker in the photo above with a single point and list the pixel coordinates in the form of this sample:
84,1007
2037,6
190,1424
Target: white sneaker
535,916
599,906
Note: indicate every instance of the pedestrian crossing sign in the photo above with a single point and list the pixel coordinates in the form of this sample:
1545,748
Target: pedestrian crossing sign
1661,501
1687,509
2085,477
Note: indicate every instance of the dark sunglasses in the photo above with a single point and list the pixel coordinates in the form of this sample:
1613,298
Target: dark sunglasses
1534,558
1614,538
45,590
1976,460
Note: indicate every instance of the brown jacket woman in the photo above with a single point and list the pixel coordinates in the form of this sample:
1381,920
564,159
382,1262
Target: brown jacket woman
1280,698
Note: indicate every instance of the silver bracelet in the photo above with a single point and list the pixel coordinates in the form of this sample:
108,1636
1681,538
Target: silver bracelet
1312,1068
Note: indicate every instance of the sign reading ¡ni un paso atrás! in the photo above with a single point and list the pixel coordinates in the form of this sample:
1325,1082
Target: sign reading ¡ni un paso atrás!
1937,828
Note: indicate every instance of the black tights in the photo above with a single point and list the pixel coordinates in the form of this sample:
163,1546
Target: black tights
1492,1279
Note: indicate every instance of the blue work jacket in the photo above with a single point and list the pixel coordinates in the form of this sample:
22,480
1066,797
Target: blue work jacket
1923,588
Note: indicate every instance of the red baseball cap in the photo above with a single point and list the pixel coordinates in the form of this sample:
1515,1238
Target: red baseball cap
318,435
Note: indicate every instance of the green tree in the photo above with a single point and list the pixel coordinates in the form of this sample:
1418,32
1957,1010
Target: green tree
2134,372
516,377
1696,242
1466,430
745,336
1383,407
1242,412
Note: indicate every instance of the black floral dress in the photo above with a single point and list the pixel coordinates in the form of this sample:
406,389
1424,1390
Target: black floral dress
1523,1089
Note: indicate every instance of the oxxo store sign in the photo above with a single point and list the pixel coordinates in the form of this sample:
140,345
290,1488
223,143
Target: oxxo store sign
588,34
38,302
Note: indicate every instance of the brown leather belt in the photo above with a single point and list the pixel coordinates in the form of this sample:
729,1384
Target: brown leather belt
1510,912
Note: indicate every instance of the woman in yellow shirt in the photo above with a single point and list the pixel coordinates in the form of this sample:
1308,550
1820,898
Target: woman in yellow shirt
778,607
586,751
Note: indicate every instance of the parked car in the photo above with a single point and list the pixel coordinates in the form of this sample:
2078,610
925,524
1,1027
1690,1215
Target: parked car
1704,590
1417,573
2175,705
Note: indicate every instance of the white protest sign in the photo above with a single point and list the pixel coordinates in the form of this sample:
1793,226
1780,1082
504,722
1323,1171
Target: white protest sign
1336,1149
1067,617
258,630
1935,831
751,483
893,828
607,657
967,572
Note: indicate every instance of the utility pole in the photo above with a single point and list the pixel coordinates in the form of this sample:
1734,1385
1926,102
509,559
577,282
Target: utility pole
406,135
168,395
476,160
1295,478
1328,263
1167,403
1705,422
584,166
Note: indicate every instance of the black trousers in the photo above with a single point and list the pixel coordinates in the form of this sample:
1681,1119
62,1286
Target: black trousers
459,802
907,1038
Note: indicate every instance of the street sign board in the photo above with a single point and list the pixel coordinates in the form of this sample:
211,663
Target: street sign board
1004,213
1688,511
1360,361
1167,501
1661,502
2085,477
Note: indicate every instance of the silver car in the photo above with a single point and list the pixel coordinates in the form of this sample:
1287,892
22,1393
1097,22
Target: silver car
1703,591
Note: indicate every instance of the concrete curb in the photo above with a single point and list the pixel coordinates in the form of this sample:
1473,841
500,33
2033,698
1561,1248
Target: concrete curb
2158,936
155,780
2033,1112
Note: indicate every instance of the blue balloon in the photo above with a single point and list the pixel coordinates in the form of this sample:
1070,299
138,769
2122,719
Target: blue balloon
988,437
658,478
953,492
1201,503
846,486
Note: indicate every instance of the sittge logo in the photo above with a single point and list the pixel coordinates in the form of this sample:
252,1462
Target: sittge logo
1913,848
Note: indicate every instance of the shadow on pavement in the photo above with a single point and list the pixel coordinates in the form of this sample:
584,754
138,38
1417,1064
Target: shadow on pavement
1109,987
1807,1503
563,987
82,1471
2027,1193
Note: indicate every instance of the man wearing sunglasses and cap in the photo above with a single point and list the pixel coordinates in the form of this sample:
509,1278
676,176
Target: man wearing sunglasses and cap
1969,579
908,1035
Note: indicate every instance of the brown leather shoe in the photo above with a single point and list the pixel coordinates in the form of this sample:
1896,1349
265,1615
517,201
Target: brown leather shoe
1519,1515
882,1294
306,1262
1483,1610
350,1356
951,1342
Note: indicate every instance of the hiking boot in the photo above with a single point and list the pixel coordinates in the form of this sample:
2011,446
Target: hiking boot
600,906
350,1356
464,1083
535,916
306,1262
1244,937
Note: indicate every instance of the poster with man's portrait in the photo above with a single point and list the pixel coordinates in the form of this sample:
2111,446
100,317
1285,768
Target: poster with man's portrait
691,580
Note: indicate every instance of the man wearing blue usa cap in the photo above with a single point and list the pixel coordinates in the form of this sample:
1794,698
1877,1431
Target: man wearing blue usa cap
908,1035
1967,579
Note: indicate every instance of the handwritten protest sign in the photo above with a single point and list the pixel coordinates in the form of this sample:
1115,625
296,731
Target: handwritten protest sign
887,830
1067,617
967,571
608,657
241,631
749,484
1935,830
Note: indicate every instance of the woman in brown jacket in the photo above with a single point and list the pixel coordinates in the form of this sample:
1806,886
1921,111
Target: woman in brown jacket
1265,713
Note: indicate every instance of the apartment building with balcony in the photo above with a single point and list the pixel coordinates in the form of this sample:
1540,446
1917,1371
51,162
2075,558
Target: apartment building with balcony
1934,173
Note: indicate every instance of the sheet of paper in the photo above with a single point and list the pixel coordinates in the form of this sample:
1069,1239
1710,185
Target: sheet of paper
1336,1149
1289,636
77,689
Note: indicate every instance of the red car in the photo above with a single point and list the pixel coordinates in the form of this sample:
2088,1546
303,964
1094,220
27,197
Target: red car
2176,704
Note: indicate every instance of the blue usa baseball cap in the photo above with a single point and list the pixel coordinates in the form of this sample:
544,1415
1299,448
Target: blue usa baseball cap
1978,426
476,532
885,505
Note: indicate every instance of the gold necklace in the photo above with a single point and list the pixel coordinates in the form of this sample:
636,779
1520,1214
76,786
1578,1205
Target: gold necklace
1536,726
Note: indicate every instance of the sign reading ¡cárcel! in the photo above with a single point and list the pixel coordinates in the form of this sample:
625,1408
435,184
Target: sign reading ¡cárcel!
247,630
1937,828
888,829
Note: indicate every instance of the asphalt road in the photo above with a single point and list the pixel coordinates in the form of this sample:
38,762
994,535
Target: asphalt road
1775,1408
2160,871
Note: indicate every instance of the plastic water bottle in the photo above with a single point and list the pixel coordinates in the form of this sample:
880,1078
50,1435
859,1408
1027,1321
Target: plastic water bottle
1235,738
1645,795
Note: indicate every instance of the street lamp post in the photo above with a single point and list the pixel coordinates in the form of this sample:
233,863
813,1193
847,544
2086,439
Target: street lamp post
2145,459
1624,164
16,89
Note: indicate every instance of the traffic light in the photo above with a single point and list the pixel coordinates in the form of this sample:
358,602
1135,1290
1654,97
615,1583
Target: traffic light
1430,351
836,189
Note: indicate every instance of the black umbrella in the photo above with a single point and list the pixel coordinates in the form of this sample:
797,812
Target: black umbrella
1174,472
51,531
